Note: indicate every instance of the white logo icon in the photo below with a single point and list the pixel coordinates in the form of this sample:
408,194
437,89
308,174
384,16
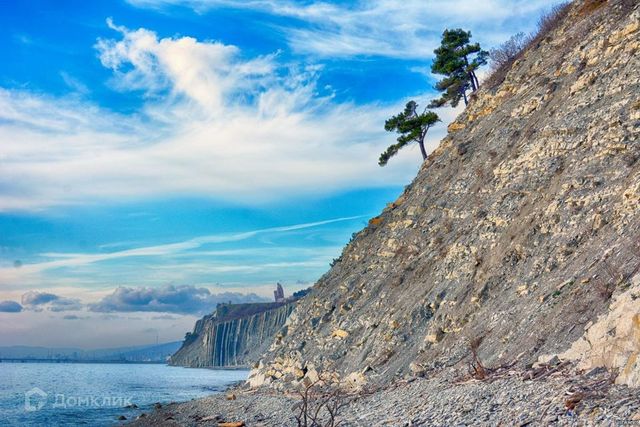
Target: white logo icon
34,399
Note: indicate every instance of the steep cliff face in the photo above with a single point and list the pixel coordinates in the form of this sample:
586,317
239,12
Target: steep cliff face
519,229
236,335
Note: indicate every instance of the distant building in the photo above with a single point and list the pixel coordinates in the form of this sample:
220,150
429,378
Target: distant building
278,294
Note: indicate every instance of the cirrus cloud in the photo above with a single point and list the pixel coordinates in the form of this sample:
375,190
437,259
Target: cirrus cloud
389,28
213,124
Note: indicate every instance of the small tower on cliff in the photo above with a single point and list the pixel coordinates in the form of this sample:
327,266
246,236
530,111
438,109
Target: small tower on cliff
278,294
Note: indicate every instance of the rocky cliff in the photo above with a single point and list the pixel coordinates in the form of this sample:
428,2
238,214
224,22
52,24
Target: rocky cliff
235,335
520,231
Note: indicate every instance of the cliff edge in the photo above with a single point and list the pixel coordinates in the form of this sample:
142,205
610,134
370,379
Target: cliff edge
236,335
520,231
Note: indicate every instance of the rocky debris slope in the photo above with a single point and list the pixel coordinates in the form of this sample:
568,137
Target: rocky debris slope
235,335
613,341
562,399
518,230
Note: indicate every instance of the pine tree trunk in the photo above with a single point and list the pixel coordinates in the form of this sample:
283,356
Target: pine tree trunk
473,75
473,82
422,150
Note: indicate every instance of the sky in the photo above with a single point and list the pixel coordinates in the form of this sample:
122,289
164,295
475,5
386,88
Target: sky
158,157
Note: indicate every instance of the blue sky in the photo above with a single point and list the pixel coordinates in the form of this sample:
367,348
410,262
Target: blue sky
195,151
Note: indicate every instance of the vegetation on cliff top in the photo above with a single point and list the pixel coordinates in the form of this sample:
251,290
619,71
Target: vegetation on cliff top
458,60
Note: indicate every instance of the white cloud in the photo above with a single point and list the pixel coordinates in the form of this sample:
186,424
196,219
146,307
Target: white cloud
34,300
209,73
168,299
213,124
392,28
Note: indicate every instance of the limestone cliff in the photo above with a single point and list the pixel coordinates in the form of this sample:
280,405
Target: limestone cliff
521,228
235,335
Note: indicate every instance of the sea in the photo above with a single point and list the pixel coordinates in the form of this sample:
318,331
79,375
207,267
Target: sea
96,394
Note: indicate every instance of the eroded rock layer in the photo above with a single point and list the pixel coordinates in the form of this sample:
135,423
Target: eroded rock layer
519,229
236,335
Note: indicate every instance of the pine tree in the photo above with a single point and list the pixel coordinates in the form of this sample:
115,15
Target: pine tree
412,127
457,59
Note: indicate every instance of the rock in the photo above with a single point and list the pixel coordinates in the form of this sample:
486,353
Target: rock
596,371
417,369
340,333
231,396
298,373
257,379
514,226
157,405
456,126
613,341
554,361
122,418
232,424
311,377
355,381
435,336
586,80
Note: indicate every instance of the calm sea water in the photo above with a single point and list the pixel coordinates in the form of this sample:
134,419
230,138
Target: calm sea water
66,394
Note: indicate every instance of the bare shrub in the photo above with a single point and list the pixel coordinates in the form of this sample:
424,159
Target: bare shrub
476,368
320,405
505,54
550,20
612,273
321,401
590,6
503,57
605,286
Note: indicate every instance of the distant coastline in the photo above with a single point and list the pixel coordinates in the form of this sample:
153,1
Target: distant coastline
154,353
124,362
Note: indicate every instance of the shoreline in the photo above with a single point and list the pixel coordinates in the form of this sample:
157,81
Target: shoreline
213,368
442,400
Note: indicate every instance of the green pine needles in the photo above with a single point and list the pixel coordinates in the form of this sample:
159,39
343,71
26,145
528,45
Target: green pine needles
412,127
457,59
